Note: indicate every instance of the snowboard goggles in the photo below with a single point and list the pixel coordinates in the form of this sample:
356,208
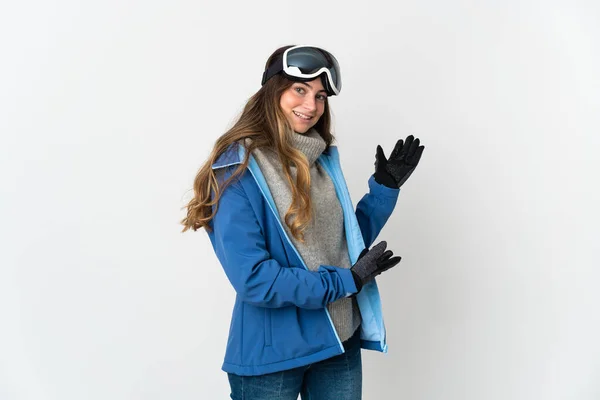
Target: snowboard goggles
304,63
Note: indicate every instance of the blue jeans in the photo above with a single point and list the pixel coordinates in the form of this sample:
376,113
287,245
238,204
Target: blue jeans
338,378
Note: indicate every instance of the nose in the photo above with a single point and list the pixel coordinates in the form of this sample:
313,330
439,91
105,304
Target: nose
310,103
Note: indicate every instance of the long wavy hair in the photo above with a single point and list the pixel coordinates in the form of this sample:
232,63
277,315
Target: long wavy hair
263,121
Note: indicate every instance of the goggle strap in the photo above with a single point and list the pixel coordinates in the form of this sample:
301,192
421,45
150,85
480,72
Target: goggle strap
275,67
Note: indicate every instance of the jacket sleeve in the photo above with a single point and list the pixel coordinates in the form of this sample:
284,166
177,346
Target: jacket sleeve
374,209
256,277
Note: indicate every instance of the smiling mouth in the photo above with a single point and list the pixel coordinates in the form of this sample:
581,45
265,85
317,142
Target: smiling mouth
302,116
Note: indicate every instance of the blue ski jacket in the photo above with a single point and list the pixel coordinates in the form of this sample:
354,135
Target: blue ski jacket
279,319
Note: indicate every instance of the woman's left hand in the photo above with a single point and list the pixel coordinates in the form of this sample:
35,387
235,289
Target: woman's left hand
393,172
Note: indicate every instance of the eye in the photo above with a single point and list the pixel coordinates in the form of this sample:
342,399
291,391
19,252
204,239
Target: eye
299,88
322,97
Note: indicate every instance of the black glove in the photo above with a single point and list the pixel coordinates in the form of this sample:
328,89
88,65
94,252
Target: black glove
371,263
393,172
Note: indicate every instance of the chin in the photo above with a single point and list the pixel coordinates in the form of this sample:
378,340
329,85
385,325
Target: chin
302,129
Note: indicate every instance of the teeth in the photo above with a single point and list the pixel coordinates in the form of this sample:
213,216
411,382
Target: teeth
302,115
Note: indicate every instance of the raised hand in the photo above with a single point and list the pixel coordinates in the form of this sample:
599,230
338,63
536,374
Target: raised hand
393,172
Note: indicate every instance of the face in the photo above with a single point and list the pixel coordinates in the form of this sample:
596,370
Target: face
303,103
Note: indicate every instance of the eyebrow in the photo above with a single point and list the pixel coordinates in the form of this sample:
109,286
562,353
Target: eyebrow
304,83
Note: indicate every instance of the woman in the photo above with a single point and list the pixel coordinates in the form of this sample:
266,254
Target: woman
274,202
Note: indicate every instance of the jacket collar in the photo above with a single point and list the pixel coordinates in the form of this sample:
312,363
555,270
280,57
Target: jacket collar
231,156
235,153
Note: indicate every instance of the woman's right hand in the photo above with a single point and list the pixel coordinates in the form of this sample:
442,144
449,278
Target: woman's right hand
371,263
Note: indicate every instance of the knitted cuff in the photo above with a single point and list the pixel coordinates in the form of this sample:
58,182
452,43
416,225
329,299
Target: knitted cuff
357,282
383,178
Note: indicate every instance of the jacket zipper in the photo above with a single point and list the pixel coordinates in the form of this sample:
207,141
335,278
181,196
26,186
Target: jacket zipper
335,175
252,163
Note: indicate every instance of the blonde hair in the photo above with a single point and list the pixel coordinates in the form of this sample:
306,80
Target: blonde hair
263,121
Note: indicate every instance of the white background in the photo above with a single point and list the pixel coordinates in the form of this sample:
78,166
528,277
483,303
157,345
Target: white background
108,109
